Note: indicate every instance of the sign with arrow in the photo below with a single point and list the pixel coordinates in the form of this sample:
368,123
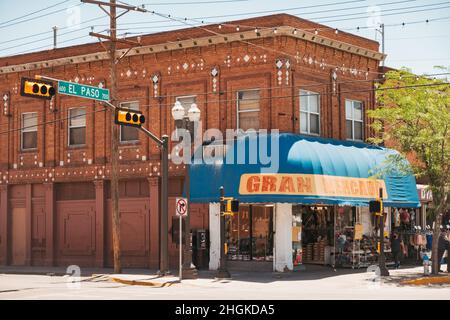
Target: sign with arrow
181,207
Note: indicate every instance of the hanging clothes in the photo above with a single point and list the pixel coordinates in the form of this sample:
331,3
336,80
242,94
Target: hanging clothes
396,218
429,241
405,216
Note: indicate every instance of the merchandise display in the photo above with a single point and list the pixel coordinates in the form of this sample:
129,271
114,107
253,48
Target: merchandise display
317,232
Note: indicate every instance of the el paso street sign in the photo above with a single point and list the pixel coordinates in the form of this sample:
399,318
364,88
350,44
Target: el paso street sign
83,91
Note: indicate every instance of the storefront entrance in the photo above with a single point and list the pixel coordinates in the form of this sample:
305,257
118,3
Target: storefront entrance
250,237
312,234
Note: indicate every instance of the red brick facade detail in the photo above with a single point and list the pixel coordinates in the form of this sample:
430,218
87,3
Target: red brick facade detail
64,190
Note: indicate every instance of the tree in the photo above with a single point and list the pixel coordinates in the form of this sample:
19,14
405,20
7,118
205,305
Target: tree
414,117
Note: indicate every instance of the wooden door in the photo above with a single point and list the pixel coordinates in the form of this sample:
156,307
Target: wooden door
18,244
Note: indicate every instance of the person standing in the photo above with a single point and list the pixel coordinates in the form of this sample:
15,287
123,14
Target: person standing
396,248
442,246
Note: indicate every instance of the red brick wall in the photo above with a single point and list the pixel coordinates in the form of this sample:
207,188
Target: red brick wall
241,66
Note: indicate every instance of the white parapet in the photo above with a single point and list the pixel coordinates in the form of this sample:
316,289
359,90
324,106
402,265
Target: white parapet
283,237
214,236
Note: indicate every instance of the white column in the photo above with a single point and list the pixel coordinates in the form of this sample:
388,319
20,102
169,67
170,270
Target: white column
283,237
214,236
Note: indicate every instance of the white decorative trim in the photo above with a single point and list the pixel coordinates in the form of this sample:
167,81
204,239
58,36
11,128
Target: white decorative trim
200,42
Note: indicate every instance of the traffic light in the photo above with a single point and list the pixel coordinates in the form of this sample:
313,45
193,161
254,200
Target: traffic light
40,89
376,206
129,117
229,206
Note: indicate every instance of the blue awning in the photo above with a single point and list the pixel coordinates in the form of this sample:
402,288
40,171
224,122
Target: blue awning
292,168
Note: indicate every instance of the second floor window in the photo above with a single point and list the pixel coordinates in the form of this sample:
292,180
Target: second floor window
77,126
248,110
29,130
309,112
354,119
128,133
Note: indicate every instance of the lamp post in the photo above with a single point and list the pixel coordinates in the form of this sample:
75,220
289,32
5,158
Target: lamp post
188,122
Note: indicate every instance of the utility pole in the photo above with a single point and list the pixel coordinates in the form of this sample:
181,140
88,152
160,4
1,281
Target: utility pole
55,28
383,42
111,49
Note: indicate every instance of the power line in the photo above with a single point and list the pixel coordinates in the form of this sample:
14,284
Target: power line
427,21
51,121
383,15
234,100
37,17
292,86
447,85
34,12
190,3
299,8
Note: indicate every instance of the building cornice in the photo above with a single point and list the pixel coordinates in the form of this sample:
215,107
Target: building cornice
201,42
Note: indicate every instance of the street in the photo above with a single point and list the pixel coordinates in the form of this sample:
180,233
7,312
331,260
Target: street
320,283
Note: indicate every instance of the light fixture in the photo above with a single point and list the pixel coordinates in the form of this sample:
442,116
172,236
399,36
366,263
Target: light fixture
316,32
336,31
178,111
194,113
275,30
237,28
295,31
256,30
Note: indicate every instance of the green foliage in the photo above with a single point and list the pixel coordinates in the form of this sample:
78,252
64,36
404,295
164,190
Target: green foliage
417,120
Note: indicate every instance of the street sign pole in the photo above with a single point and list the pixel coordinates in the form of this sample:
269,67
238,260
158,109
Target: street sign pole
180,273
181,210
382,261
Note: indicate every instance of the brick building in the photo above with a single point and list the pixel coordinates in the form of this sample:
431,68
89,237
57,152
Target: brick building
54,190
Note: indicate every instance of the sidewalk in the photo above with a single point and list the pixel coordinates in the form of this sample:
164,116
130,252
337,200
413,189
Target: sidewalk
146,277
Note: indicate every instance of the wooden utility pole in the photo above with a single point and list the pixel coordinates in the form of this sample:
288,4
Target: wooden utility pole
111,49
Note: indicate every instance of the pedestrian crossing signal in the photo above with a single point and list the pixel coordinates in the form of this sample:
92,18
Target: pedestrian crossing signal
40,89
127,117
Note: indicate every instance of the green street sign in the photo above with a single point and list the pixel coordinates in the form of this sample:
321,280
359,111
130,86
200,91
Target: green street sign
83,91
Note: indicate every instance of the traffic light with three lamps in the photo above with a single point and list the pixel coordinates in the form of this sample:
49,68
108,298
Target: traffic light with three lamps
127,117
40,89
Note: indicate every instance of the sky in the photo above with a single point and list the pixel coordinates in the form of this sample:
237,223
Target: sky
411,41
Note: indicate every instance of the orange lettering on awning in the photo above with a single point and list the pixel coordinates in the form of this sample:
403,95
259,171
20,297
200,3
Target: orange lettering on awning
253,184
304,185
269,183
287,185
354,186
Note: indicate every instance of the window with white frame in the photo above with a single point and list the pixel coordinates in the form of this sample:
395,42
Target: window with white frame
77,126
186,102
29,130
248,109
354,119
309,112
128,133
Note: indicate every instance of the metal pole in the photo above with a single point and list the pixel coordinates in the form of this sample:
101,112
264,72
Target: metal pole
54,36
382,261
180,272
189,272
223,272
163,265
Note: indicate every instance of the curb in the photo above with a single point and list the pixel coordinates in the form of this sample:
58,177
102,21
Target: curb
426,281
143,283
